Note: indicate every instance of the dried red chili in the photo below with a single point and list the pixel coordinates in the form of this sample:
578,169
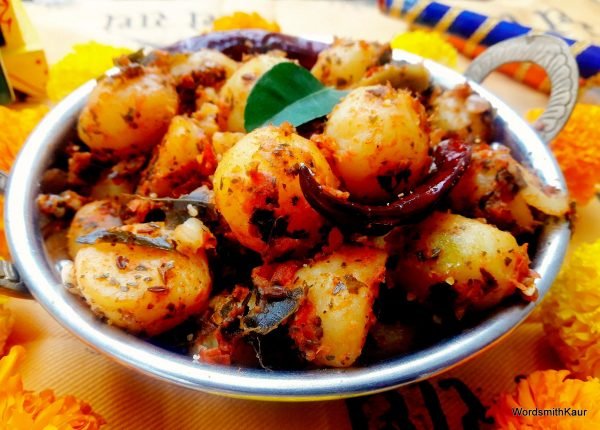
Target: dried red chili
451,159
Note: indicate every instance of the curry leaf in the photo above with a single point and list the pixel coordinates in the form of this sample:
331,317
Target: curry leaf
266,315
288,92
127,237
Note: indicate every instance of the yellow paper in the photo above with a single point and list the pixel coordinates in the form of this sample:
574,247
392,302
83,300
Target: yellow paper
27,70
22,52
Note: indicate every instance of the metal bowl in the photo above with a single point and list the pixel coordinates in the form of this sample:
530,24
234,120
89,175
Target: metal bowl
38,272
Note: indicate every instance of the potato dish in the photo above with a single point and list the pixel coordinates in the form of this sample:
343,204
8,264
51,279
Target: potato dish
364,233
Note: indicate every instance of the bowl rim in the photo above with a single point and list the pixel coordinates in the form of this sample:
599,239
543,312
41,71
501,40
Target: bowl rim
26,245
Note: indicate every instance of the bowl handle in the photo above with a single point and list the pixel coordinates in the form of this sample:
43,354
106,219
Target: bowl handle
554,56
10,281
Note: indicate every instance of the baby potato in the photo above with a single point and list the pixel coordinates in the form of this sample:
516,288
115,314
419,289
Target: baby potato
479,264
462,113
496,187
381,142
223,141
346,62
234,93
92,216
206,67
181,162
142,289
128,114
331,325
413,77
108,186
258,192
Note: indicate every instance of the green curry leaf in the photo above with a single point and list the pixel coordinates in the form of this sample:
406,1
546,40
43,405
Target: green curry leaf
126,237
288,92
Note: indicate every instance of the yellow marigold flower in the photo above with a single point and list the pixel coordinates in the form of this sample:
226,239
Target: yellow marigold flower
16,124
571,311
21,409
577,149
86,61
547,390
6,324
427,44
239,20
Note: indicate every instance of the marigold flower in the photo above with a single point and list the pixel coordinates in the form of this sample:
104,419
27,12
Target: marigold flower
547,390
6,323
427,44
21,409
571,311
240,20
16,124
86,61
577,149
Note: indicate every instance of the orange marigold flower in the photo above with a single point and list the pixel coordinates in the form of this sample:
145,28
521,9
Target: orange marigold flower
16,124
20,409
571,311
6,323
577,149
240,20
547,390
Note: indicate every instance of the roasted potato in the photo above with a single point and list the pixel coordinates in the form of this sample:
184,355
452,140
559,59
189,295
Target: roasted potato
142,289
92,216
413,77
380,142
258,193
128,114
234,93
475,263
223,141
206,67
346,61
109,186
496,187
331,325
462,113
182,161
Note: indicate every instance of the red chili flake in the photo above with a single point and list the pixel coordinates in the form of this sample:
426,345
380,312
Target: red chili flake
122,262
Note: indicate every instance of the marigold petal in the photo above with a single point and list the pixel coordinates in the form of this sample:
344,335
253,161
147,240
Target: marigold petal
16,124
6,325
10,363
20,409
241,20
577,150
571,311
548,390
427,44
86,61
